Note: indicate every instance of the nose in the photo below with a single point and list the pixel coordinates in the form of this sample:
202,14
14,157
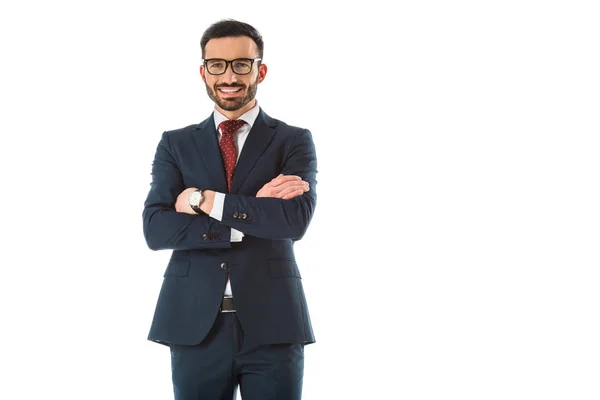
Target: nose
229,76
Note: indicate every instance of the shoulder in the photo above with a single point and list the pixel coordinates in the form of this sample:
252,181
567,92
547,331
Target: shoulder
282,127
179,132
186,132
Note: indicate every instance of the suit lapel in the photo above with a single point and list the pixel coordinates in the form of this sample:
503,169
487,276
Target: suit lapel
258,140
207,142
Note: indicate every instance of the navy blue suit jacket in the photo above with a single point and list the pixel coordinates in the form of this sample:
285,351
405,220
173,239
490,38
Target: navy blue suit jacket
265,278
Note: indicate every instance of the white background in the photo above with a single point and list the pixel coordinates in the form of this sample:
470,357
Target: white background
454,250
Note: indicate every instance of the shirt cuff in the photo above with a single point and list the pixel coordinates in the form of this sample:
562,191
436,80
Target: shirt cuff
236,236
217,209
217,213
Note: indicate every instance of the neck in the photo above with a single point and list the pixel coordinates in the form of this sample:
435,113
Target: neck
237,113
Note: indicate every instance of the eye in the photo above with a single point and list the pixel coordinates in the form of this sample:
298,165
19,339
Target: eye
216,64
242,64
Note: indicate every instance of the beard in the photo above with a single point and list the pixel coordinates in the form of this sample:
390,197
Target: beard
232,104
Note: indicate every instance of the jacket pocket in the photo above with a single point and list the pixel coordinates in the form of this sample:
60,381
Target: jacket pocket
283,269
178,267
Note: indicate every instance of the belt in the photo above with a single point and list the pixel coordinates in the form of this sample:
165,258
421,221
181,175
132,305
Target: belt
227,305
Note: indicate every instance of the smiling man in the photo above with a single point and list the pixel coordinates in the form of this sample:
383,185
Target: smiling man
230,196
235,92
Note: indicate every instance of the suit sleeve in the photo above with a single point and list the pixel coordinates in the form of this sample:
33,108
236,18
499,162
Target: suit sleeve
165,228
271,218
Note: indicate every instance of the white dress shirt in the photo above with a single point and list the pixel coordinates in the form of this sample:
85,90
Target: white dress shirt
240,138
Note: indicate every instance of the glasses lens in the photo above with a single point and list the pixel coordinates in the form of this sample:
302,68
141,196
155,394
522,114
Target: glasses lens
216,66
241,66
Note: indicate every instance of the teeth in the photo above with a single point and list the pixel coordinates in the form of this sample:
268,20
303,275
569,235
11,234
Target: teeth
230,90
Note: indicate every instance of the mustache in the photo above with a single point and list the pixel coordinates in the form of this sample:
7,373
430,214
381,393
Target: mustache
234,85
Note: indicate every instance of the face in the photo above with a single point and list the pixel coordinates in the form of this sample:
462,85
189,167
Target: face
233,94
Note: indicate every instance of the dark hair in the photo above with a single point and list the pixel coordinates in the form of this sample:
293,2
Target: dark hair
231,27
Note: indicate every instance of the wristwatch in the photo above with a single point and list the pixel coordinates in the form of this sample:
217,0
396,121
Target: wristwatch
196,200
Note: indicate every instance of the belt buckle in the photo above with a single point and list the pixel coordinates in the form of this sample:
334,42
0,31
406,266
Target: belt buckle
227,305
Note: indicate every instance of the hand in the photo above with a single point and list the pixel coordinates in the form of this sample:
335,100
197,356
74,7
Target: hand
182,204
284,187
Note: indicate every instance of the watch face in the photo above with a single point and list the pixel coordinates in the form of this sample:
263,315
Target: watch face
195,198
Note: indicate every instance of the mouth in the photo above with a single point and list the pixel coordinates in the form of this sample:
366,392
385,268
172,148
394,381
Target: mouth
229,91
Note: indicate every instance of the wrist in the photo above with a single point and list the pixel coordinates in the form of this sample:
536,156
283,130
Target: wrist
195,200
208,201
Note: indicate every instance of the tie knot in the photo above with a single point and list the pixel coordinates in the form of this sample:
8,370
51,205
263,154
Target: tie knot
231,126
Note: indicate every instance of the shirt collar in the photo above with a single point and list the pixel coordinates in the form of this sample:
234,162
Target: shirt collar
249,116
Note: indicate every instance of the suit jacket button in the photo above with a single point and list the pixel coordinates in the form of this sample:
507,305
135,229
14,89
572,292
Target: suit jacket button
205,236
244,215
249,217
235,215
224,266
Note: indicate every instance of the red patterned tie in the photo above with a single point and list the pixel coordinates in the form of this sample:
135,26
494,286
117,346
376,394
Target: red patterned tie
227,144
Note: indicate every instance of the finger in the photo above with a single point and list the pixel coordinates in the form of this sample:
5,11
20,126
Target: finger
286,182
288,190
285,178
295,184
295,193
288,187
273,180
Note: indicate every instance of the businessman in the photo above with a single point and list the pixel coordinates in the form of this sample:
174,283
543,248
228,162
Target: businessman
230,196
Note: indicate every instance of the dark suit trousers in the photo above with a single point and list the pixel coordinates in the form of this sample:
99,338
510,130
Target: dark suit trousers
213,369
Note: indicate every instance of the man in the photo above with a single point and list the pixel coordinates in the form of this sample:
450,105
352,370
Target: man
230,196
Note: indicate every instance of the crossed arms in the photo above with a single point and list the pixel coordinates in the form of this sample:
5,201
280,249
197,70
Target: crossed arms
281,209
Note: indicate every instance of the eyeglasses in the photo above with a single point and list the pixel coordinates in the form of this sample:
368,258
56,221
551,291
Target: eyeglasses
240,66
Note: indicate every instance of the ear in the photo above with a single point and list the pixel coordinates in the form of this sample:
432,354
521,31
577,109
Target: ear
202,73
262,72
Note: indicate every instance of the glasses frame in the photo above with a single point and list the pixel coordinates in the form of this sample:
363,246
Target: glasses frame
227,62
